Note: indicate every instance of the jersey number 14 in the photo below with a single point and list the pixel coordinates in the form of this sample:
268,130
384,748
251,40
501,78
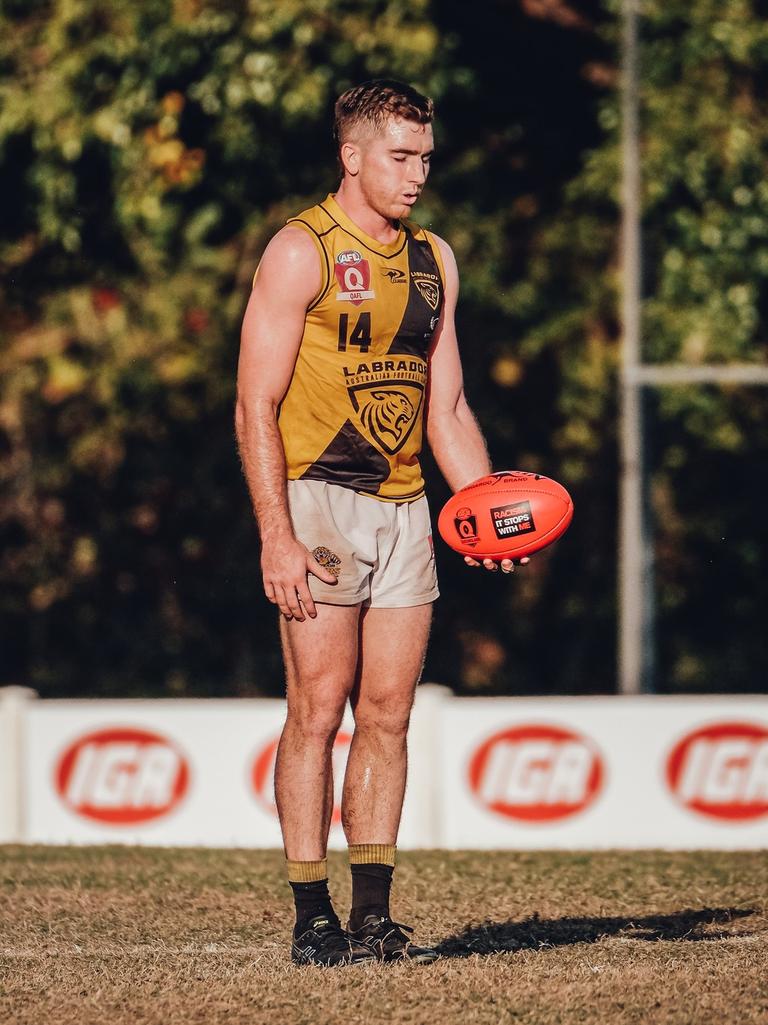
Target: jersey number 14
361,332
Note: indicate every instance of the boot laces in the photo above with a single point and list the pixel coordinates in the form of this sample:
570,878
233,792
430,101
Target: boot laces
386,927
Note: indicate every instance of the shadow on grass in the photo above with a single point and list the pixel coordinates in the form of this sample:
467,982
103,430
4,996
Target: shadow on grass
537,933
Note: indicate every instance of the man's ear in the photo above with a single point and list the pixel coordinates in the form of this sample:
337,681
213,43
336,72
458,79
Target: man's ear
350,158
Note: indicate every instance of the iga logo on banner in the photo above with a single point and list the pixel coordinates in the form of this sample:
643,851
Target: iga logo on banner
353,274
536,773
263,774
122,776
722,770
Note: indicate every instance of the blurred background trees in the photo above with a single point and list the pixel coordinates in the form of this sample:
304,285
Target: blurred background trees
149,150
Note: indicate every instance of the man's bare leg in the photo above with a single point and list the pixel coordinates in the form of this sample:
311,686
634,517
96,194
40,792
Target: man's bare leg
320,659
392,646
320,662
390,660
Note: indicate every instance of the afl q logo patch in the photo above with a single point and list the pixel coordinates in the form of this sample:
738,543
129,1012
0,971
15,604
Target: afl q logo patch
353,275
466,526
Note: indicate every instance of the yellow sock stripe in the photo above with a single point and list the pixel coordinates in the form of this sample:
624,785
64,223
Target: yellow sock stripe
307,871
372,854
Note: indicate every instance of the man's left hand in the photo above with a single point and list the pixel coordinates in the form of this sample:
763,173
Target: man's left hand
507,565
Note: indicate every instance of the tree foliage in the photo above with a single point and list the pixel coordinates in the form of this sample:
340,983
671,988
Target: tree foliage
147,152
704,138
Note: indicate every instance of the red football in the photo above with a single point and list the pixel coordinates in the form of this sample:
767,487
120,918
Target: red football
507,515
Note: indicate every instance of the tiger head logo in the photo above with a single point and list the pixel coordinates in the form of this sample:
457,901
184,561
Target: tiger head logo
328,559
388,411
387,415
429,290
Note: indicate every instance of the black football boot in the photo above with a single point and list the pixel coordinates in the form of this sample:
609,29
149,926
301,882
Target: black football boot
389,942
325,943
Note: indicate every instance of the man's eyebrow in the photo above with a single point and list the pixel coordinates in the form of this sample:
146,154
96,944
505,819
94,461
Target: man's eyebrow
413,152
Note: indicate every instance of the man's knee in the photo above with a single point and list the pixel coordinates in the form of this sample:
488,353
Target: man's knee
384,714
317,716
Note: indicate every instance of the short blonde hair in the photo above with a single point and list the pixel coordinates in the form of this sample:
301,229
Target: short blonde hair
375,101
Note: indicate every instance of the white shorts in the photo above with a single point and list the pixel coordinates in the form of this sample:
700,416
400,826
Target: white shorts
382,551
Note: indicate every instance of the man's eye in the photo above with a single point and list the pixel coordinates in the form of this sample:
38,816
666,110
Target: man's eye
400,160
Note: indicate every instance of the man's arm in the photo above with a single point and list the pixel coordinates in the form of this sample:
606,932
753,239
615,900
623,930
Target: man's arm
453,433
288,279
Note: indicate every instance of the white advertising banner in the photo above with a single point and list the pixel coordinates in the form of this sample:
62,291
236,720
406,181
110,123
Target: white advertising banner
155,772
175,772
605,772
484,772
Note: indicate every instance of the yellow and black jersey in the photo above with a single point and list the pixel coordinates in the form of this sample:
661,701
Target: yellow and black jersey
353,411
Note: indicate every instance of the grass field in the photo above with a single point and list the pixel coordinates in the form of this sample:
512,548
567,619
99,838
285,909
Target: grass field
123,935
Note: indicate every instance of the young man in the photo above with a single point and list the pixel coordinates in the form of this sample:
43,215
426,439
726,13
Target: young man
348,350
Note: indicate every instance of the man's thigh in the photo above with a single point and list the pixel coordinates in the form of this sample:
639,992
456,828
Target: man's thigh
321,654
393,643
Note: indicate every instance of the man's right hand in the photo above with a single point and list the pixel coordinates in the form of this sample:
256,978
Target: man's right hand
285,564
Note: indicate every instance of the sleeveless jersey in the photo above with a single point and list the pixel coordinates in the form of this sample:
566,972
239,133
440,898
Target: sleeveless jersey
353,411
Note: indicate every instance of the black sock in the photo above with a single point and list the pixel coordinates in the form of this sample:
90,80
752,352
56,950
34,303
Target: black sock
311,899
370,892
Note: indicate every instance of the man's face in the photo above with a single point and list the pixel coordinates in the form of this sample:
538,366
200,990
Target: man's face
392,165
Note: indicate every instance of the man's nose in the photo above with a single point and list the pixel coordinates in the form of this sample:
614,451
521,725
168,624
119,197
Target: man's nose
418,173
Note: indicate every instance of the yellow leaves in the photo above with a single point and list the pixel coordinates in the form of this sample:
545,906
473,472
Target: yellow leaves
36,343
727,436
739,142
421,40
108,125
65,378
186,11
18,252
186,169
507,371
97,452
144,518
577,434
96,313
258,64
695,346
84,556
166,152
176,368
173,103
44,595
162,152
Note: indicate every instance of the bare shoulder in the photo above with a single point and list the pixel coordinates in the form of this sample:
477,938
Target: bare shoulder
442,245
291,248
290,264
449,262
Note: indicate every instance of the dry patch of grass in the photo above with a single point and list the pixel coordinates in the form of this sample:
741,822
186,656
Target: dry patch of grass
141,936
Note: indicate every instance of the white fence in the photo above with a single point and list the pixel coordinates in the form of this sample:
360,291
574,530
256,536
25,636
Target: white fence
518,773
